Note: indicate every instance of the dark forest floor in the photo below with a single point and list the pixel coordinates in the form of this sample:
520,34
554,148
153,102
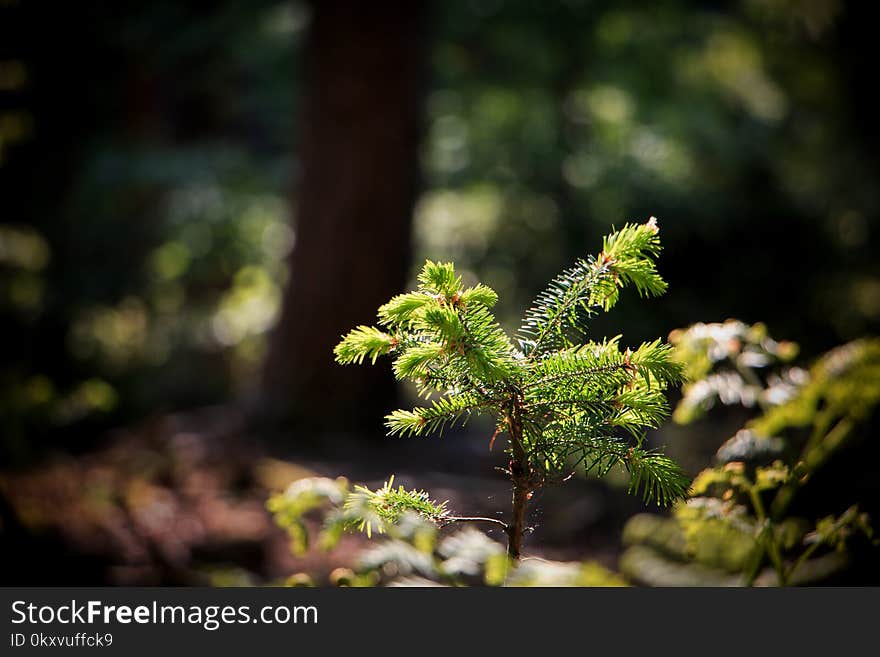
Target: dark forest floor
180,500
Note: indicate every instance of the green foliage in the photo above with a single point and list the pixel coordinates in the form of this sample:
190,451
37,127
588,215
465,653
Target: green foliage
359,508
563,402
290,508
412,551
364,342
379,509
737,527
843,385
558,317
732,363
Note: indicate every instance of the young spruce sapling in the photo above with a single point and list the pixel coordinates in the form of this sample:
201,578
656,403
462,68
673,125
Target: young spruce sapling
564,403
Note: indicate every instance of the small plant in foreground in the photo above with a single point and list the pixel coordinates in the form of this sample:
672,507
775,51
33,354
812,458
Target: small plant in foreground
564,404
413,550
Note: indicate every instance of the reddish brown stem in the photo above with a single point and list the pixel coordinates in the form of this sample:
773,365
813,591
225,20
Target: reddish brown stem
519,475
516,528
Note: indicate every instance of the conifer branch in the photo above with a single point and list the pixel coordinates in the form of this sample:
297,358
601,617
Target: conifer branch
562,309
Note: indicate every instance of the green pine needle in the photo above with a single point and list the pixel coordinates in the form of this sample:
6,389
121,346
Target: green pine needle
363,342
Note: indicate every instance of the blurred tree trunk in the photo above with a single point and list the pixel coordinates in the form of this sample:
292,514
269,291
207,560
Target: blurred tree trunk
354,200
